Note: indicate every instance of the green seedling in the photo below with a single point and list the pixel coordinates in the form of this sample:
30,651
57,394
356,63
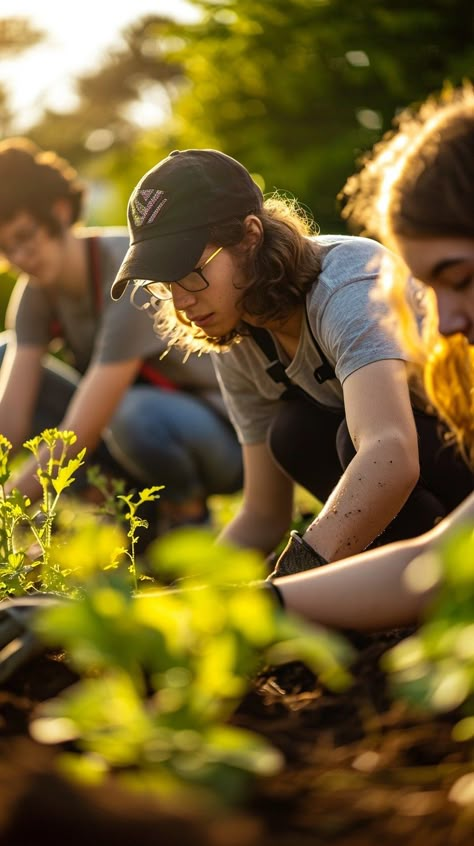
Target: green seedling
136,523
55,547
26,536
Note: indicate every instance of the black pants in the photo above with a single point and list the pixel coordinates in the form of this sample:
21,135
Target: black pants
314,447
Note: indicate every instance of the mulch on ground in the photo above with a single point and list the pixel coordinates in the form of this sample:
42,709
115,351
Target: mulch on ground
360,770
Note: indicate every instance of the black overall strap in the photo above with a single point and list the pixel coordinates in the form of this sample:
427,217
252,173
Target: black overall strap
325,370
276,369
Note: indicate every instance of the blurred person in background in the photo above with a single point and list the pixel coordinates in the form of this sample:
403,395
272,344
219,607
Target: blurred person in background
315,385
144,418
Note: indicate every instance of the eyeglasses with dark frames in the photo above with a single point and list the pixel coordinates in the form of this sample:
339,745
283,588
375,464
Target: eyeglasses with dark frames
193,282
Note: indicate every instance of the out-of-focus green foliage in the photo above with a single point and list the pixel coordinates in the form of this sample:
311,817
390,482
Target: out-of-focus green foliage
17,34
435,667
166,668
7,281
297,88
163,670
138,70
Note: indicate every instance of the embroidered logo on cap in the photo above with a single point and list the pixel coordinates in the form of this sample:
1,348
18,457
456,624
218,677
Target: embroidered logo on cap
146,205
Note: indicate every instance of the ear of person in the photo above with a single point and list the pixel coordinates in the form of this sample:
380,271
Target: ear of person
254,227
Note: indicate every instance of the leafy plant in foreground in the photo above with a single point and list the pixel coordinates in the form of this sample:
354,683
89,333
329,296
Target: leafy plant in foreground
171,665
162,670
57,548
434,668
25,538
136,522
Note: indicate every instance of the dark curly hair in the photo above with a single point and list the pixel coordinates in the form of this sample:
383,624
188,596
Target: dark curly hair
278,273
32,180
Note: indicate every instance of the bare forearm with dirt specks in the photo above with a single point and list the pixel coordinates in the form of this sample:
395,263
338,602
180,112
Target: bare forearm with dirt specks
368,496
369,592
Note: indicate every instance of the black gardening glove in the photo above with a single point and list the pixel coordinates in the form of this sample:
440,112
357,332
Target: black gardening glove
18,642
296,557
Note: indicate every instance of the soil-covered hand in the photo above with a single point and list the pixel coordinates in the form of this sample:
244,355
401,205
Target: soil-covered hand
296,557
18,642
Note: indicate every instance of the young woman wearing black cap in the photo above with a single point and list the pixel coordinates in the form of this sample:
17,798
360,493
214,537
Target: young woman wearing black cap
316,386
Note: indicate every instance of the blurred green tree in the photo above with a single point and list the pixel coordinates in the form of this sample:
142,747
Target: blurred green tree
137,71
295,89
16,36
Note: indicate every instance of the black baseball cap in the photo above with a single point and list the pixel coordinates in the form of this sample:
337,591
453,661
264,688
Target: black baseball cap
172,209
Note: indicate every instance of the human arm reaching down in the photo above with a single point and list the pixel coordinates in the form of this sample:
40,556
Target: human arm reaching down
267,503
88,413
384,470
369,592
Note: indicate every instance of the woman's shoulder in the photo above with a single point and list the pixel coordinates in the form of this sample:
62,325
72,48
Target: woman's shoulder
347,258
340,247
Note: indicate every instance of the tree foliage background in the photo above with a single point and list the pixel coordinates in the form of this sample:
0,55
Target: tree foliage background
295,89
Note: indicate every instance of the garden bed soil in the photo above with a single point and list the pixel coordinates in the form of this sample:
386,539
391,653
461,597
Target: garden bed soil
360,770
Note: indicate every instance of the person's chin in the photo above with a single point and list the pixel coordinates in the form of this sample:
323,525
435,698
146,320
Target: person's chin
213,326
203,322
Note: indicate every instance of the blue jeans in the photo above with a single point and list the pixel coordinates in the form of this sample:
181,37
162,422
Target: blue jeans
174,439
155,437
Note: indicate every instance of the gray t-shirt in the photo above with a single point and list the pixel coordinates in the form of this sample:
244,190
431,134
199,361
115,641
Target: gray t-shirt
97,329
346,323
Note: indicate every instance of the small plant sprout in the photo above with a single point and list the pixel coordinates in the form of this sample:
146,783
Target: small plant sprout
55,474
57,548
136,522
110,490
14,572
20,559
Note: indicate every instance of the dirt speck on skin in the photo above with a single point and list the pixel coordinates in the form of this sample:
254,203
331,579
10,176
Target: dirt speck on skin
360,770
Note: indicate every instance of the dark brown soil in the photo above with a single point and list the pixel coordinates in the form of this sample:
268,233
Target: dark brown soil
361,770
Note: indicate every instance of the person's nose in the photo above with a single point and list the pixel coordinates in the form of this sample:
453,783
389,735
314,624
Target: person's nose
182,299
452,317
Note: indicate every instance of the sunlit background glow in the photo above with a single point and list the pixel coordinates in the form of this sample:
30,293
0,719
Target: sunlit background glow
79,36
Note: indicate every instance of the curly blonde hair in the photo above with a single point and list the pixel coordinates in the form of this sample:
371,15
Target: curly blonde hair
278,273
428,156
